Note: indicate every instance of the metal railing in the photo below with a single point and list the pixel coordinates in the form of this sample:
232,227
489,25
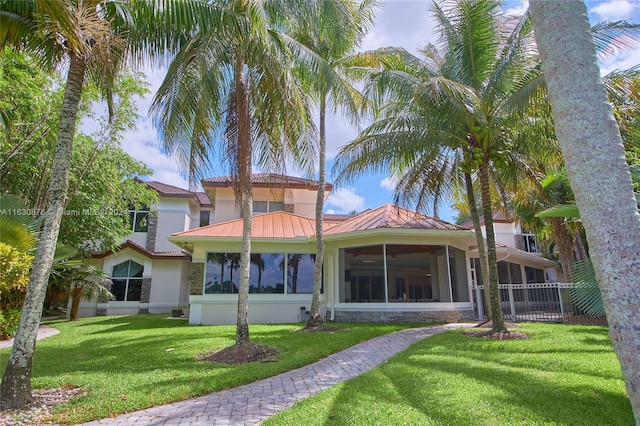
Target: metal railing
545,302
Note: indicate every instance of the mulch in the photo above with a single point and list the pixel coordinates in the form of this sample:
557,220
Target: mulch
485,330
39,411
243,353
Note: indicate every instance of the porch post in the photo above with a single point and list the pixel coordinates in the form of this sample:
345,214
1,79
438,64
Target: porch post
384,263
561,304
512,303
446,247
479,305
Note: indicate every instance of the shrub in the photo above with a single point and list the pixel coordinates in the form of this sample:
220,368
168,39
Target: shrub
14,279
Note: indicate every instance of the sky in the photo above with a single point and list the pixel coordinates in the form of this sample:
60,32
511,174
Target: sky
403,23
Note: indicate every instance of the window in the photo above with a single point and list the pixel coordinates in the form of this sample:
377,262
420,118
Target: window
205,216
139,219
300,273
127,281
222,275
267,273
534,275
267,206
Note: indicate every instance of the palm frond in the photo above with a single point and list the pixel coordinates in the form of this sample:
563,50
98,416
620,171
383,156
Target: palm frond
586,294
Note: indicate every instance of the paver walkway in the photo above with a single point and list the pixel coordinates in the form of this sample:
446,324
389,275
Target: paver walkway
250,404
43,332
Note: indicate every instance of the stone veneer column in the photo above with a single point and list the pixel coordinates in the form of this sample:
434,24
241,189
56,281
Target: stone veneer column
197,279
152,231
288,208
145,294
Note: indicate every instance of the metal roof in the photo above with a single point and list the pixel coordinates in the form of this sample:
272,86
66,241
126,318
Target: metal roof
391,216
277,225
285,225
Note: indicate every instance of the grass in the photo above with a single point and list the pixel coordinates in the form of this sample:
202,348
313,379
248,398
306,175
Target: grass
132,362
561,375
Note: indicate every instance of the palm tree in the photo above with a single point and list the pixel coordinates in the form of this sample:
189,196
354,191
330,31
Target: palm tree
443,114
79,280
331,30
590,140
237,89
92,38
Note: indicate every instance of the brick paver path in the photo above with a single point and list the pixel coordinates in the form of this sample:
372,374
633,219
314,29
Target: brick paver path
250,404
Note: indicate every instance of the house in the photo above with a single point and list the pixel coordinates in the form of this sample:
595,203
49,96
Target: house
384,264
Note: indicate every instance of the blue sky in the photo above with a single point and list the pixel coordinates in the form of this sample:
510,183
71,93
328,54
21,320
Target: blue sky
403,23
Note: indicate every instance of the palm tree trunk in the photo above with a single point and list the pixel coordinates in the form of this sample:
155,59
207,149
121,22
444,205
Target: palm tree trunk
15,390
590,140
482,252
565,246
315,316
579,246
76,297
492,259
246,197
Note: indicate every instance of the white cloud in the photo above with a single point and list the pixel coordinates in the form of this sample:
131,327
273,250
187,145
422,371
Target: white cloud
516,9
404,23
615,10
389,183
330,211
621,61
345,200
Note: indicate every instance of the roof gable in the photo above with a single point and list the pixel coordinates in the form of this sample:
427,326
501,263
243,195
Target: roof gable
394,217
138,248
285,225
168,190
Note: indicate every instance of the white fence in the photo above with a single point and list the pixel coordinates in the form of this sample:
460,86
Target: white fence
547,302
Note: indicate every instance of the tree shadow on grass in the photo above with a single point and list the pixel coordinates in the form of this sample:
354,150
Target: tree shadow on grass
424,385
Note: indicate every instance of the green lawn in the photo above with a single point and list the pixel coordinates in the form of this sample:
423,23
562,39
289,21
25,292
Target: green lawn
561,375
132,362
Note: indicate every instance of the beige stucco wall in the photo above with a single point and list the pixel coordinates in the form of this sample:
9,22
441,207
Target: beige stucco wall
174,215
303,200
263,308
168,284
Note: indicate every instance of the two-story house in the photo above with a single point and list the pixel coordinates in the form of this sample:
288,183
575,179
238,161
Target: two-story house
383,264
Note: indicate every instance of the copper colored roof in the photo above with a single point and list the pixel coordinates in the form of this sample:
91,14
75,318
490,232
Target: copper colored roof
337,217
168,190
278,225
390,216
150,254
266,180
203,199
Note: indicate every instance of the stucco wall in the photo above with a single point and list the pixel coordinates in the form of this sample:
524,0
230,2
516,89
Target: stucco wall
167,284
263,308
174,215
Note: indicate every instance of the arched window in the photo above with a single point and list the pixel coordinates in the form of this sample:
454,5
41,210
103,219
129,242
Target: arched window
127,281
